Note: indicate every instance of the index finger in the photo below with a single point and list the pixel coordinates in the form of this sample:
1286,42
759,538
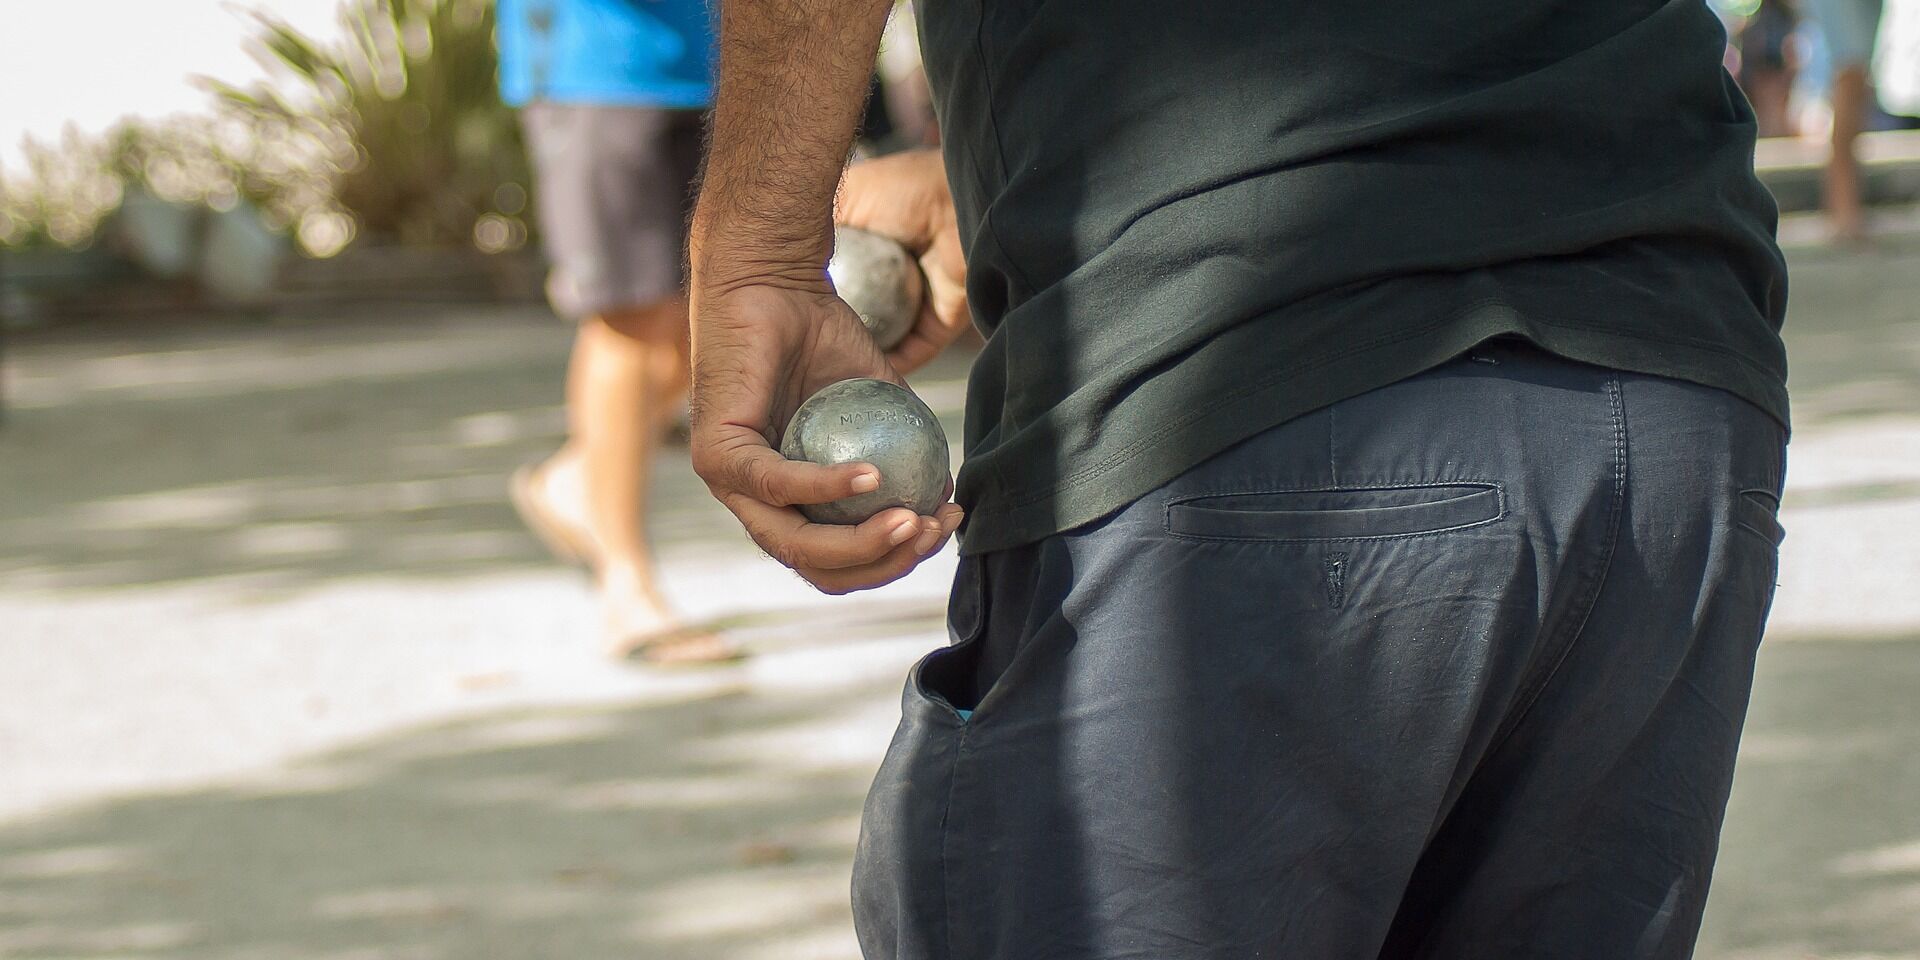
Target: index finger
738,461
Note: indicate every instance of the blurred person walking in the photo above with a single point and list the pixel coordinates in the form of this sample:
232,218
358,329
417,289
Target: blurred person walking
613,94
1850,28
1371,469
1769,64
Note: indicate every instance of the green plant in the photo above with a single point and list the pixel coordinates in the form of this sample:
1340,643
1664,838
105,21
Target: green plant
404,120
68,189
60,199
396,132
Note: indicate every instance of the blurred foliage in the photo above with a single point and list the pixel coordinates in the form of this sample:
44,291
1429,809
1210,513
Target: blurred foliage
71,187
395,133
418,146
66,191
1736,8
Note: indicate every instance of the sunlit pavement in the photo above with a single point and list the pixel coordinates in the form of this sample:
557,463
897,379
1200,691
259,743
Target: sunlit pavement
283,678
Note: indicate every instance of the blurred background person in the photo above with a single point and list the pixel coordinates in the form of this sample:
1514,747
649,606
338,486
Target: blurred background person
1768,64
612,94
903,94
1850,28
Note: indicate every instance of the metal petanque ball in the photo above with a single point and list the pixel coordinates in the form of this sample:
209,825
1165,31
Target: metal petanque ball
871,421
879,279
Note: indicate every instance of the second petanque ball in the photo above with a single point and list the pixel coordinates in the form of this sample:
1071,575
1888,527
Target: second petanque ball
877,422
879,279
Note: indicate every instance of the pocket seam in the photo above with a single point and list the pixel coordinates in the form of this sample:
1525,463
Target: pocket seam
1500,511
916,676
1774,533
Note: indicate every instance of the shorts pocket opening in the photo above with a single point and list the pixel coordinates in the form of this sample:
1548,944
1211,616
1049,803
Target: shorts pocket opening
1332,514
1758,511
947,677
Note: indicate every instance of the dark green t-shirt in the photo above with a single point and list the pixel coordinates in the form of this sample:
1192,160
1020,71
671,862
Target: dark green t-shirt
1187,222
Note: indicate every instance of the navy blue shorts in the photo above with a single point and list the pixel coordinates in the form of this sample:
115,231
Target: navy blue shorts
1451,669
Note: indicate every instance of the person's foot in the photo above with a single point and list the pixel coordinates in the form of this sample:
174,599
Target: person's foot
640,626
637,622
1849,232
550,501
1845,202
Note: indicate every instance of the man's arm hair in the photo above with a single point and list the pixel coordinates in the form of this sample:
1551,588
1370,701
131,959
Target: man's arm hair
793,79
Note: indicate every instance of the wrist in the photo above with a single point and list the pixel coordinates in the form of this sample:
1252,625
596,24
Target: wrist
724,252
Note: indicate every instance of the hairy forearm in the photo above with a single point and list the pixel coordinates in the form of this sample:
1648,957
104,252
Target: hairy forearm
793,80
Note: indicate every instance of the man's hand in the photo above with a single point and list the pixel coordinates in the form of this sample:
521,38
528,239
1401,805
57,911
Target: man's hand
761,351
905,196
767,329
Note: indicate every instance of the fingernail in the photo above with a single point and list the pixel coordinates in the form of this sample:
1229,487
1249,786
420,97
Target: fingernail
903,532
866,483
958,515
928,540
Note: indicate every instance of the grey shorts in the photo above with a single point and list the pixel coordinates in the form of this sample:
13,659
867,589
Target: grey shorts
614,187
1451,670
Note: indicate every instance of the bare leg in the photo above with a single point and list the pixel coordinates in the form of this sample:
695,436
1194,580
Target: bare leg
1846,208
1771,92
628,372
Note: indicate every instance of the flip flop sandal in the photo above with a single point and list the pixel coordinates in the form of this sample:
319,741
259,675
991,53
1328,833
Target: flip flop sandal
558,537
649,651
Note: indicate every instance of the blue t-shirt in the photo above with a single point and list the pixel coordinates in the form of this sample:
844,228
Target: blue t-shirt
652,53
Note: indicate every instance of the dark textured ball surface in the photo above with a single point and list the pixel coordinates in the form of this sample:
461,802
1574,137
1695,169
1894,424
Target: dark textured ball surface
877,422
879,279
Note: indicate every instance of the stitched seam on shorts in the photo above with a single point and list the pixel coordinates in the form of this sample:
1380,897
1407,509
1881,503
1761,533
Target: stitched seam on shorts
946,881
1342,488
1778,532
1500,513
1574,628
1333,449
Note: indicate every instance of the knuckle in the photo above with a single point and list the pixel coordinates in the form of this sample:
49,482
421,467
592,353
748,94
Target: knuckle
706,466
769,544
738,475
756,479
785,554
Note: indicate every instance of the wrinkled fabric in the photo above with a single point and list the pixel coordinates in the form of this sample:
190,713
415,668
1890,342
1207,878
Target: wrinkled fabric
1452,669
1186,223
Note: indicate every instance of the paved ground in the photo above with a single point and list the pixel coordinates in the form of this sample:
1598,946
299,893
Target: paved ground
284,679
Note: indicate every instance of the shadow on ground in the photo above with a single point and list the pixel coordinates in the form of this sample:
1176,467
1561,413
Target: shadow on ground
713,828
1853,334
361,446
1821,854
721,827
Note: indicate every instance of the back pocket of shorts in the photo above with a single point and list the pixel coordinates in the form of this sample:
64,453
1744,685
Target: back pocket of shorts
946,680
1350,513
1758,511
